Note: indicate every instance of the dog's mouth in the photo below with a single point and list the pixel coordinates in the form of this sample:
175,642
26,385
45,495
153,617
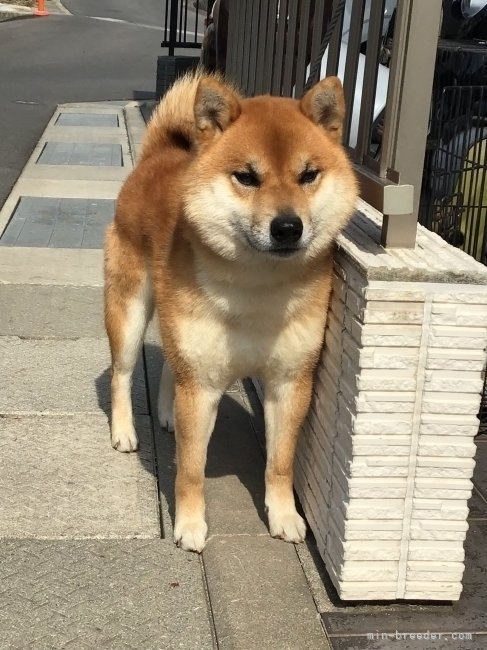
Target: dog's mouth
284,252
273,251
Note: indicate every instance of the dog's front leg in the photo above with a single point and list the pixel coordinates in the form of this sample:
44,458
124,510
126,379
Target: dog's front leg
285,407
195,410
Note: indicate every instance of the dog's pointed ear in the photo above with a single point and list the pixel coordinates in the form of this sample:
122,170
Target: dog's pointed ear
216,107
325,105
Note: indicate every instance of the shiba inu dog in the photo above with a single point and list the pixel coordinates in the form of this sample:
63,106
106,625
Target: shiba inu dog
227,225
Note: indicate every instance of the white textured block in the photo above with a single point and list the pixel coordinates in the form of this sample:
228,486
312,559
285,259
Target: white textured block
431,550
453,419
386,335
460,338
468,295
435,402
384,467
394,292
452,446
416,590
439,509
461,315
438,530
434,467
378,445
380,423
385,572
447,483
453,380
406,313
383,357
367,551
438,493
447,429
427,571
383,380
385,402
374,508
375,466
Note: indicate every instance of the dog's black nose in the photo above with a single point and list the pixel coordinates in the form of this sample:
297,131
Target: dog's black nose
286,229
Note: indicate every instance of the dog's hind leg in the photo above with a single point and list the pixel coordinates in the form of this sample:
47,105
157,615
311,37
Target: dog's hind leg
165,402
285,407
128,308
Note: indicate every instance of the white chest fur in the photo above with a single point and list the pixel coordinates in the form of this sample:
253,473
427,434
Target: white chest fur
237,331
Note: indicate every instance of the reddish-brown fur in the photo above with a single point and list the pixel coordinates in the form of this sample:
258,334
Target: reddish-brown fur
191,238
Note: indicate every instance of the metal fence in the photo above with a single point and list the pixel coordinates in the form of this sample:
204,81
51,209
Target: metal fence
274,43
184,24
454,192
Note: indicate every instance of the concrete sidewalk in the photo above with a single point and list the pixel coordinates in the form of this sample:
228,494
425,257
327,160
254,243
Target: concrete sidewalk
86,553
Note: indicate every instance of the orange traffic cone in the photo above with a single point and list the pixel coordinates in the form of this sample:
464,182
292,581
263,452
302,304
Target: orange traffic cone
40,11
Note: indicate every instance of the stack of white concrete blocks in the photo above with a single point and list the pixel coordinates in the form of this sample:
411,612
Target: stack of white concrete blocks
386,454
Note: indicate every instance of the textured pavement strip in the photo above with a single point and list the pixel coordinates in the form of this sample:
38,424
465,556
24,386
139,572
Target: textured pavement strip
82,564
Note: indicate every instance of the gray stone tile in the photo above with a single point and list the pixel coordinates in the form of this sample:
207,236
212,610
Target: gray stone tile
60,478
51,266
81,153
87,119
58,223
466,615
259,595
116,595
60,376
33,311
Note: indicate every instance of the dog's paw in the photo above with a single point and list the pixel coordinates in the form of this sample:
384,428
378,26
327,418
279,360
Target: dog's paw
288,526
190,534
124,439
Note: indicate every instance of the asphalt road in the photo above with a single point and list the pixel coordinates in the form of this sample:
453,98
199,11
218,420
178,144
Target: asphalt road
70,58
142,12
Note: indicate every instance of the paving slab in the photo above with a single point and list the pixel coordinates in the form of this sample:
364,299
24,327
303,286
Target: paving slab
259,595
87,119
46,222
33,311
115,595
60,376
60,478
81,153
71,268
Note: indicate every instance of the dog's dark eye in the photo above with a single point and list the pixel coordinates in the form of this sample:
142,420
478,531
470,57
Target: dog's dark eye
308,176
248,179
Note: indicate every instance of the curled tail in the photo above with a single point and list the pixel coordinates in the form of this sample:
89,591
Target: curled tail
173,122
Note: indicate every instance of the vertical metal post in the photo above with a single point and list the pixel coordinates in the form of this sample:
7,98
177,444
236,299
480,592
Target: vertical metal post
173,26
408,108
369,83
